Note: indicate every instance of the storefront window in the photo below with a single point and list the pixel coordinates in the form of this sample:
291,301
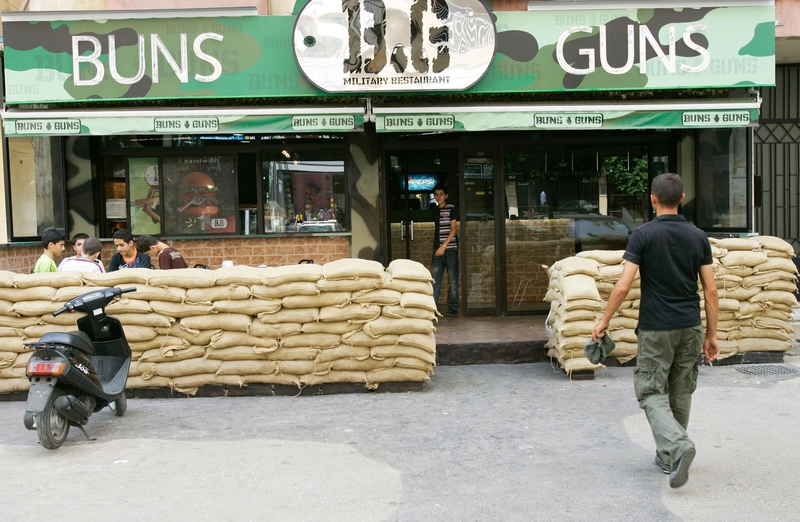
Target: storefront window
304,190
36,189
722,180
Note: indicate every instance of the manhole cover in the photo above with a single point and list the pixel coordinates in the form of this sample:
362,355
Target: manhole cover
767,369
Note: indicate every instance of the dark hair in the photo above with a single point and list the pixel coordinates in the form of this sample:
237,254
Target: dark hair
79,235
91,246
145,242
52,235
668,189
123,234
442,187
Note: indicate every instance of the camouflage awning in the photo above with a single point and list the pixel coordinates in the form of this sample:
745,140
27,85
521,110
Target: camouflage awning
640,115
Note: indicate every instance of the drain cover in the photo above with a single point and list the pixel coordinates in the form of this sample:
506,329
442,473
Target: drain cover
767,369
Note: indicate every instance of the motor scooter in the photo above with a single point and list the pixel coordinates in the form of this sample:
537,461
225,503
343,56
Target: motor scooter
75,374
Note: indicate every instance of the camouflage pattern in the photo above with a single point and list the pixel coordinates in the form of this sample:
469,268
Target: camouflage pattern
256,58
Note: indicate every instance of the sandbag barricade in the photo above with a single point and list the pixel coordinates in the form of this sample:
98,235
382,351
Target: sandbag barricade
755,277
349,321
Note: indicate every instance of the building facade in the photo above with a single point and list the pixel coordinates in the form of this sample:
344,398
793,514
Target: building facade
320,134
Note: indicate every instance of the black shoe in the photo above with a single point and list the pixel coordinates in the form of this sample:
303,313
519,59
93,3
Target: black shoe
664,469
680,469
451,312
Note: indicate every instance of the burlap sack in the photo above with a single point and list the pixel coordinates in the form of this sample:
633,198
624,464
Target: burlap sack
12,373
360,338
188,367
772,263
152,293
198,337
303,367
22,360
408,285
781,286
142,369
409,270
381,297
180,310
397,375
578,286
334,376
48,279
386,325
230,339
425,342
355,313
362,366
190,384
291,315
610,273
777,324
349,285
632,313
413,300
182,278
6,279
294,354
740,294
775,243
358,353
12,385
413,363
118,277
285,290
36,293
727,281
172,354
129,306
238,275
275,276
338,328
35,332
577,265
247,306
575,328
247,368
206,296
605,257
763,279
150,319
135,333
316,301
239,353
5,331
319,340
274,331
398,312
742,258
135,382
7,358
352,268
737,244
275,379
716,251
620,322
33,308
66,293
763,345
748,332
730,305
233,322
401,350
21,322
766,296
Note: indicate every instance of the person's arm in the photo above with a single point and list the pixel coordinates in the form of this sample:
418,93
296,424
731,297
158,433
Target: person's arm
450,236
618,294
113,265
710,344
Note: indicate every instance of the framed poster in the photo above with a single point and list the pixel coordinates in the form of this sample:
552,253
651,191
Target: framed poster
145,193
472,170
199,195
488,170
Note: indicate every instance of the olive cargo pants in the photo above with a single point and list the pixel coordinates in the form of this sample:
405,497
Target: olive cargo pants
664,380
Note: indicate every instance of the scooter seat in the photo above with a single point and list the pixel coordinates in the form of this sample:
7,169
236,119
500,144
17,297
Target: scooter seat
79,340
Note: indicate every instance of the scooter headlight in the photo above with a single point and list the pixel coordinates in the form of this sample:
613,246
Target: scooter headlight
46,369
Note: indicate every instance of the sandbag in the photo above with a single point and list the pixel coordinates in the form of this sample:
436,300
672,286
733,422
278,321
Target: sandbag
21,322
34,308
274,331
775,243
399,350
129,306
772,263
12,385
414,300
275,379
352,268
355,313
247,306
182,278
134,333
279,275
578,286
409,270
180,310
49,279
303,367
298,288
239,353
37,293
577,265
338,328
397,375
316,301
294,354
188,367
319,340
360,338
763,345
742,258
66,293
7,358
198,337
382,297
206,296
398,312
363,366
152,293
7,279
786,298
10,332
386,325
605,257
172,354
291,315
229,339
136,382
118,277
239,275
334,376
35,332
234,322
426,342
408,285
150,319
735,243
247,368
349,285
359,353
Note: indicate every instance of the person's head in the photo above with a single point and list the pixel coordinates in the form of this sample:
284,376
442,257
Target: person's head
53,241
77,242
123,242
91,248
145,243
667,189
440,194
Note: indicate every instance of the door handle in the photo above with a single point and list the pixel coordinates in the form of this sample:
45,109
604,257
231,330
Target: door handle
402,231
412,231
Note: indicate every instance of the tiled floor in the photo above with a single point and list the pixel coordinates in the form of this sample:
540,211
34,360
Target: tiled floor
467,330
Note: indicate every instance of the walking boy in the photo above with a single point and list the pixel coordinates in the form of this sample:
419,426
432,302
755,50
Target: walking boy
670,252
127,256
86,261
53,243
445,248
168,257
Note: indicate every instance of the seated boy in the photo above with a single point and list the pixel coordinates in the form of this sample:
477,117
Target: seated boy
53,243
87,260
168,257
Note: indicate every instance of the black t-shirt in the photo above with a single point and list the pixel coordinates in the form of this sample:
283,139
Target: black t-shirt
669,251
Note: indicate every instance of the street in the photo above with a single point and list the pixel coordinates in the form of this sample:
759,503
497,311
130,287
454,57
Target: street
484,442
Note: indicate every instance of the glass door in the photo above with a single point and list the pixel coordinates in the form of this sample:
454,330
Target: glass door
477,232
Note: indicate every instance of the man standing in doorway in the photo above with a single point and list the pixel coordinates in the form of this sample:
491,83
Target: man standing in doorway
445,248
670,252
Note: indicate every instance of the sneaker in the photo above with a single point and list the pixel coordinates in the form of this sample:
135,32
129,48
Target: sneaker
664,469
451,312
680,469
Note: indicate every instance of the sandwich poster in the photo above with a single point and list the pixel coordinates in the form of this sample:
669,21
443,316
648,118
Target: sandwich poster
199,195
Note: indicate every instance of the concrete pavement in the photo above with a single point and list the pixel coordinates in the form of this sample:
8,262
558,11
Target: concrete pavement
489,442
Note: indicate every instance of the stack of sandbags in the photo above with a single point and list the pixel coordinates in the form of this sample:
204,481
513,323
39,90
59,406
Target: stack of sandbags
756,278
347,321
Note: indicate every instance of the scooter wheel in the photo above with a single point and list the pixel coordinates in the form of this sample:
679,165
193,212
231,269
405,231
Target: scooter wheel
51,426
120,405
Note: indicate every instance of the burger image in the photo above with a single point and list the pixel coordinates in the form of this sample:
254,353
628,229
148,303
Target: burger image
197,194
